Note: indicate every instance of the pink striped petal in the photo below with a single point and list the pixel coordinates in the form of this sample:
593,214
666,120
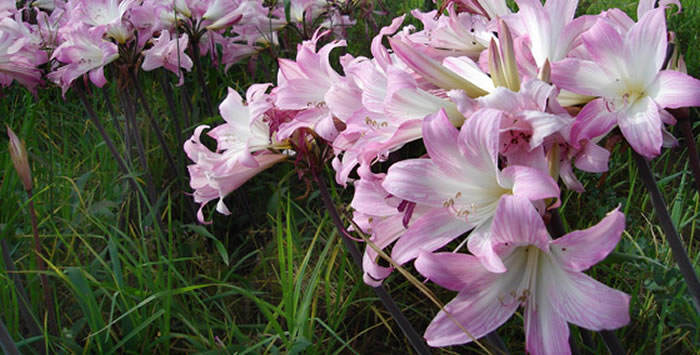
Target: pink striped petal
517,223
453,271
585,77
583,301
581,249
420,181
440,138
641,126
430,232
479,313
546,332
648,36
531,183
673,89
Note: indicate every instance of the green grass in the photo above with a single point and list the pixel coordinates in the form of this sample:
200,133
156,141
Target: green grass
274,277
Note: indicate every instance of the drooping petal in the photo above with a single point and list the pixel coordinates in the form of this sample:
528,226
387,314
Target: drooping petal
546,331
673,89
593,158
440,138
648,36
370,198
531,183
430,232
481,306
584,77
420,181
581,300
384,232
641,126
581,249
453,271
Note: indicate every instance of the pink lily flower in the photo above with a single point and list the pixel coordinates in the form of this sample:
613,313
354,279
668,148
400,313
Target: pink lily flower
106,15
304,85
385,218
463,184
212,176
632,87
545,276
83,52
20,54
551,30
169,53
245,130
459,34
7,8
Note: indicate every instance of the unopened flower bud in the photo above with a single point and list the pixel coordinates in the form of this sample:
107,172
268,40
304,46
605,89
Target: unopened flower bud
18,153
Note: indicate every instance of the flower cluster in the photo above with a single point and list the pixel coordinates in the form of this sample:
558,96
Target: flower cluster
83,36
506,104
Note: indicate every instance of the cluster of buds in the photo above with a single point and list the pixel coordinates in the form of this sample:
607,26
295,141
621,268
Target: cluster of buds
507,104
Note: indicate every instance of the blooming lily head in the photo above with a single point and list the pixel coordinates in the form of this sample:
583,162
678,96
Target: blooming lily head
543,275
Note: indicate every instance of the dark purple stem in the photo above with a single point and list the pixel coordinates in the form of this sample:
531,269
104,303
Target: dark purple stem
130,113
154,124
6,343
683,117
409,332
200,75
674,240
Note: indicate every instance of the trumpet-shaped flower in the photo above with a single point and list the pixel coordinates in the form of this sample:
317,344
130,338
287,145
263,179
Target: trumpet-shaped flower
106,15
384,217
245,130
83,52
169,53
625,72
305,84
20,55
462,183
543,275
213,175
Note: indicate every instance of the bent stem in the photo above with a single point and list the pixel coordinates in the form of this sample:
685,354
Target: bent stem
556,229
674,240
154,124
200,75
130,113
108,141
408,331
48,298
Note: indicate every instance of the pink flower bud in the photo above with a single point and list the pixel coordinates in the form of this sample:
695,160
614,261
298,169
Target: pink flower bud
19,158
